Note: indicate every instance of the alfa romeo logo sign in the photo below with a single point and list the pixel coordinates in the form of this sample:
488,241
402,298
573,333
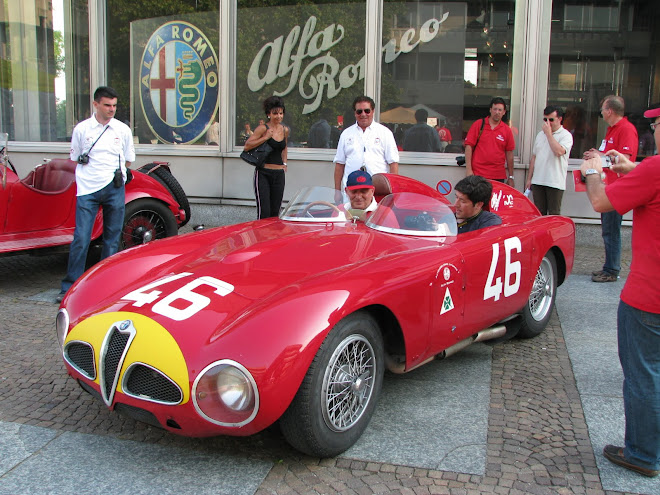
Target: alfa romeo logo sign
179,82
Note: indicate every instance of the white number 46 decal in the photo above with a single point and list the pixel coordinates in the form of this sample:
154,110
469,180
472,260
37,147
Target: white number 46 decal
512,269
195,302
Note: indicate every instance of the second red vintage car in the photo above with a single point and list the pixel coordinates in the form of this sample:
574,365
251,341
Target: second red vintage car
38,212
295,319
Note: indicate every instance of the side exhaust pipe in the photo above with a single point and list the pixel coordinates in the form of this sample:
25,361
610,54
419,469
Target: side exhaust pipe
482,336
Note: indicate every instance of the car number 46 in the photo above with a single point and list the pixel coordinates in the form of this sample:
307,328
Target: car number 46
187,296
512,271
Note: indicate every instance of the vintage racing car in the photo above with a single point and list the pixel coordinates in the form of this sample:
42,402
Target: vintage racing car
295,319
38,212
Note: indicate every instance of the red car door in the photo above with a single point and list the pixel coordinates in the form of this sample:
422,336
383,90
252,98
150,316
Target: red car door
497,274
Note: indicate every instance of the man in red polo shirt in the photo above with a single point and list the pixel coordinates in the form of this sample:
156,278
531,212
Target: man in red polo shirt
621,136
489,146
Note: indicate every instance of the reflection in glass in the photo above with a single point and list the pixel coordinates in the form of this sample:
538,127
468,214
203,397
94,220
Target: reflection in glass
597,51
447,58
312,55
44,55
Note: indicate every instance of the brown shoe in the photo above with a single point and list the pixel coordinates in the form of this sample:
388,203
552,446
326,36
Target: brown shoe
596,272
615,455
604,277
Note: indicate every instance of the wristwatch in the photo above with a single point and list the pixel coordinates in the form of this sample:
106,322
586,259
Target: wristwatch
511,177
592,171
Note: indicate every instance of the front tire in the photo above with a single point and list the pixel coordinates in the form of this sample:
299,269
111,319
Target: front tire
340,390
146,220
537,311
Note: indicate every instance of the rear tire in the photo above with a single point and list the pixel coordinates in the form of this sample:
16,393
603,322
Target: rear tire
165,177
339,393
146,220
537,311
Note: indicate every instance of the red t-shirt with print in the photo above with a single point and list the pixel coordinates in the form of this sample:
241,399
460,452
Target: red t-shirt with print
489,157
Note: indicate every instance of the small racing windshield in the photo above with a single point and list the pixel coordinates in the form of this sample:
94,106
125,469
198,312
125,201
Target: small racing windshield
316,204
413,214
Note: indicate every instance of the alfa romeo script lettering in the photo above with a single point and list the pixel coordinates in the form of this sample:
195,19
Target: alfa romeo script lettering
322,74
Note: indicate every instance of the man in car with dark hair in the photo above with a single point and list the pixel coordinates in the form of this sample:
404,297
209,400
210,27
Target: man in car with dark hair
472,193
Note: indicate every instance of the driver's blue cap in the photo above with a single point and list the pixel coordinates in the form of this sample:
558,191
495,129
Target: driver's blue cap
359,180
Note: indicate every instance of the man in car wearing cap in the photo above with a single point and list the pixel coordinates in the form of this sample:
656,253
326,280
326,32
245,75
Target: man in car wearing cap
472,193
360,190
621,136
638,318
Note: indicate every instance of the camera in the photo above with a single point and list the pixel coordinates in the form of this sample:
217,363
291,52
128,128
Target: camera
423,221
607,161
83,159
460,160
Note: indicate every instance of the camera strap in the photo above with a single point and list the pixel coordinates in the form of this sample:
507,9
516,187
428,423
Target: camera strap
97,139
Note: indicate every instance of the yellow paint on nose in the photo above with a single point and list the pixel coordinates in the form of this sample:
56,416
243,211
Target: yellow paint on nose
153,345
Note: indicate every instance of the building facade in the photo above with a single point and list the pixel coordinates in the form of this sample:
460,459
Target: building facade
192,74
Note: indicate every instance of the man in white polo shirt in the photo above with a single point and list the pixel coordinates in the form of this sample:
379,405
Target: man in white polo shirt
549,164
366,145
103,148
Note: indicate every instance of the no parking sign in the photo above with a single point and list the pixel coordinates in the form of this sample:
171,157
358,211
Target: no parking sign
443,187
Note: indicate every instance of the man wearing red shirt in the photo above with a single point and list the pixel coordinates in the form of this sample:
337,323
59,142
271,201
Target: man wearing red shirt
621,136
638,318
489,146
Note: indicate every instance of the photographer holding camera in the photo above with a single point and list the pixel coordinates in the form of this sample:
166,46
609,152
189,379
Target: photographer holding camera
103,148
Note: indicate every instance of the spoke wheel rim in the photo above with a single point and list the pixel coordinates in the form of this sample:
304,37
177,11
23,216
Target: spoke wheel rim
540,299
143,227
348,383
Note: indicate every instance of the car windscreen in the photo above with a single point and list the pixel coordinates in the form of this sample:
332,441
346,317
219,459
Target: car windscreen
316,204
413,214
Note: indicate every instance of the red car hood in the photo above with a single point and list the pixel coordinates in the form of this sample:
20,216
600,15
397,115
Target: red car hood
263,261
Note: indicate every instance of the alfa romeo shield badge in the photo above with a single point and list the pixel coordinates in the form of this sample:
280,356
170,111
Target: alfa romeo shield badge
179,82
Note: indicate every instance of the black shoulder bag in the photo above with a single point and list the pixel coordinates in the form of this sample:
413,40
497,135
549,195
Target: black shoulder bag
257,156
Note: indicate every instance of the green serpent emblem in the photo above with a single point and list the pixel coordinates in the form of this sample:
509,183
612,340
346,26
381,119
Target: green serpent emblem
190,74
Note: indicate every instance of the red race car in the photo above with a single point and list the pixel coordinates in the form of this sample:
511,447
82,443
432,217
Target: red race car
295,319
39,211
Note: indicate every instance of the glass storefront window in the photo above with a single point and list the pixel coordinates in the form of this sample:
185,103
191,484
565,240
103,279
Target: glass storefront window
312,54
163,62
598,50
444,61
44,68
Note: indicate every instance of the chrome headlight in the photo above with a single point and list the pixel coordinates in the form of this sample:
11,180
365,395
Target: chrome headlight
62,326
225,394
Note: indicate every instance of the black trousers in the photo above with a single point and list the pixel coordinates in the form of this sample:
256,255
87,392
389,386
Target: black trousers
269,191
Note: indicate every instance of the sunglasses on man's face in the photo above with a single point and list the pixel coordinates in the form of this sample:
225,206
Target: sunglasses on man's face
546,119
365,110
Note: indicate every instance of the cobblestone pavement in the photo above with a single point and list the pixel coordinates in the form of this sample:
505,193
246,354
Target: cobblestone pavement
537,436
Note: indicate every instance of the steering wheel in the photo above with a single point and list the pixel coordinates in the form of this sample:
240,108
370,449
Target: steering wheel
316,203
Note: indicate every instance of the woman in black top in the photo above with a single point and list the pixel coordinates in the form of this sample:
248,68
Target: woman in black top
269,181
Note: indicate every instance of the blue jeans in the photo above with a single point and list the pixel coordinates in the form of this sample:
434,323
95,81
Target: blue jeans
611,227
639,353
111,198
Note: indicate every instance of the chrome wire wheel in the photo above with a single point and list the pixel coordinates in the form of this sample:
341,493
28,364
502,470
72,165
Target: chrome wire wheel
348,383
542,295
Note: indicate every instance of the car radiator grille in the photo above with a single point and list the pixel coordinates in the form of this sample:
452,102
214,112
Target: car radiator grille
148,383
113,351
81,356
